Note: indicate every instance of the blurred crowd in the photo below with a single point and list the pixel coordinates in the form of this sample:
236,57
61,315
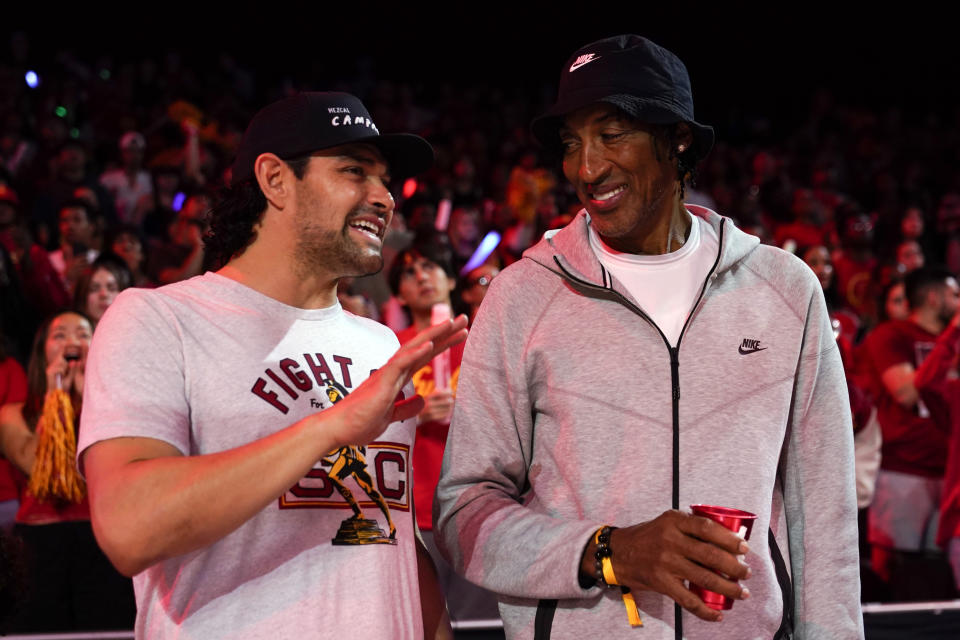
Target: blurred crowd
108,167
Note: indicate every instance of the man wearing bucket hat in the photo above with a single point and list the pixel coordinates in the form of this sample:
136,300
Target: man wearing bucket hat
661,358
235,423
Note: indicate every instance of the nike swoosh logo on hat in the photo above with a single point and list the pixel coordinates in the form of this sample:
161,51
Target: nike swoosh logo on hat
582,60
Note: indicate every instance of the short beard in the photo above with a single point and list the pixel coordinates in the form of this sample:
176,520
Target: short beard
333,252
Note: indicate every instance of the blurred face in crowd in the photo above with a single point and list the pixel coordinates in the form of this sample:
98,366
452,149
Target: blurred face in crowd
626,183
911,225
858,232
166,181
465,226
75,226
818,259
423,283
806,207
128,247
189,224
132,156
8,214
71,162
765,166
464,169
948,213
896,303
948,300
422,215
909,255
477,282
103,291
69,335
89,196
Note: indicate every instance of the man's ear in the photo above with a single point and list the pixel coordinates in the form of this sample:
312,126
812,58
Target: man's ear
273,175
684,137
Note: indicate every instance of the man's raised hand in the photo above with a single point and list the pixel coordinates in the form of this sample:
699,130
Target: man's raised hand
365,413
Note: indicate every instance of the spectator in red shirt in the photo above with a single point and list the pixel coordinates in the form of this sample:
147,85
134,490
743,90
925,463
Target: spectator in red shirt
855,263
13,388
907,499
40,284
807,228
422,277
71,583
935,378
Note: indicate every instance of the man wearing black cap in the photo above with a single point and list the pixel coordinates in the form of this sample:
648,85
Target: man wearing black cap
661,358
247,442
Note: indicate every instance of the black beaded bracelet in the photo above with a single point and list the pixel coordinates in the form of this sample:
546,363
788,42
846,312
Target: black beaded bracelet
602,539
605,575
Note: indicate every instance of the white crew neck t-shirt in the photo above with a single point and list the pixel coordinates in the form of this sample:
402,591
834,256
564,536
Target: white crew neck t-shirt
209,364
664,286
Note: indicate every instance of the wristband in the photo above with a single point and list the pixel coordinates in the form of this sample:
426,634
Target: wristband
604,564
602,539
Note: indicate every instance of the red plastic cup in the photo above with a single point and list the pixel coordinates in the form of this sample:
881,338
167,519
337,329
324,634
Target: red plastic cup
736,520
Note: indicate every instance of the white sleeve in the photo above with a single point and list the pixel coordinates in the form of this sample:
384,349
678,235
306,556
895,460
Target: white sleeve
134,377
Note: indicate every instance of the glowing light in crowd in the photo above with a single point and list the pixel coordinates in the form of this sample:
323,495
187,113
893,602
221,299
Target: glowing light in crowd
104,74
443,214
74,133
409,187
487,245
178,200
60,111
32,79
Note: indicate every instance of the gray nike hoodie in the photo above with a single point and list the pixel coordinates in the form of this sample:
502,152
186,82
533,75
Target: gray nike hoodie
573,412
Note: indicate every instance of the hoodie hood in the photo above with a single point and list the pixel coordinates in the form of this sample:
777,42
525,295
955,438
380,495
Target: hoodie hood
570,246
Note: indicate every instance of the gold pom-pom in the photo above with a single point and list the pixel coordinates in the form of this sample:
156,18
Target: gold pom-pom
54,477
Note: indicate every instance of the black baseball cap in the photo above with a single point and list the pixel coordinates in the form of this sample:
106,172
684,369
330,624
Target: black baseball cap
632,73
315,120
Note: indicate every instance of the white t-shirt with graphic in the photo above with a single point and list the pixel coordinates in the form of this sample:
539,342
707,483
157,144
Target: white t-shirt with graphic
664,286
209,364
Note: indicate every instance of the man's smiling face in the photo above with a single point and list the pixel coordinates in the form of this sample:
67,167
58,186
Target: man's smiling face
343,210
623,178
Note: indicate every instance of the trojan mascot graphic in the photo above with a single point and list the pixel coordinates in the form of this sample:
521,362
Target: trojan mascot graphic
350,461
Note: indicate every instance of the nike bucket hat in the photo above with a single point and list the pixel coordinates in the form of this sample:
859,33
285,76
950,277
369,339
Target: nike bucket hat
314,120
632,73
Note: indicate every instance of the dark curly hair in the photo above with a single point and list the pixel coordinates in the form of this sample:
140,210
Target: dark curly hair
106,260
918,283
429,244
238,211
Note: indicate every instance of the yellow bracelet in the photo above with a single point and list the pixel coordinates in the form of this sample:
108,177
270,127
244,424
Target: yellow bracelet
633,612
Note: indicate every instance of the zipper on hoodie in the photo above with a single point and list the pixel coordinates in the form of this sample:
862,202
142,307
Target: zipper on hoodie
675,382
674,374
